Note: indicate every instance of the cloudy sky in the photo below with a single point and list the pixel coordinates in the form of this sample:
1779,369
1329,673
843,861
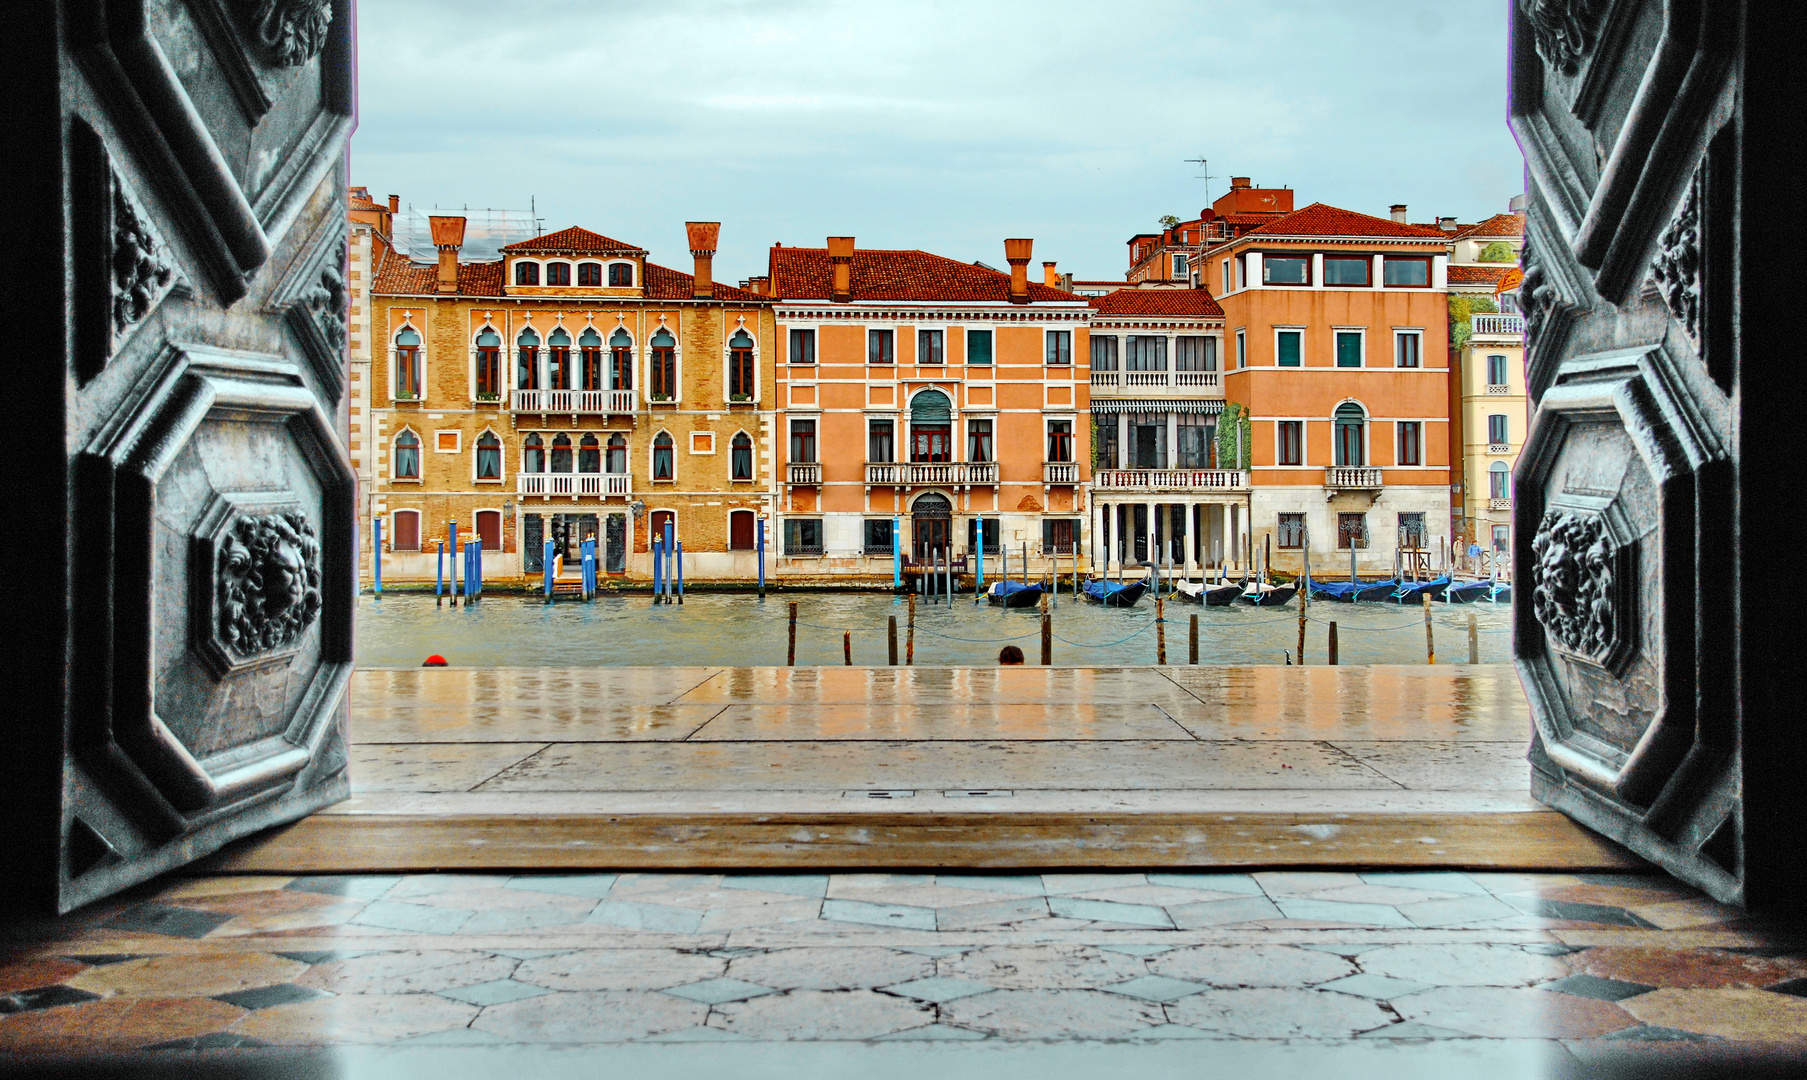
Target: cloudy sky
946,126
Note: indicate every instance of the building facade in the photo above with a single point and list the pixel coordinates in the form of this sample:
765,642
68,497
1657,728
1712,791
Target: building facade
930,407
1490,410
570,389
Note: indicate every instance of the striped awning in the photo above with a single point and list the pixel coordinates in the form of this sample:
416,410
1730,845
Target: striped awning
1143,405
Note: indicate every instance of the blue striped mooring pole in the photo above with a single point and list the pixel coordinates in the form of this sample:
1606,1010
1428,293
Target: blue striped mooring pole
376,555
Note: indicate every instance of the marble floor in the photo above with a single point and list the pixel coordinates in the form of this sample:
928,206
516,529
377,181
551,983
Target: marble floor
802,975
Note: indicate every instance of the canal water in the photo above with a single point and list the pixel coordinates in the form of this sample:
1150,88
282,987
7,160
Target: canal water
401,630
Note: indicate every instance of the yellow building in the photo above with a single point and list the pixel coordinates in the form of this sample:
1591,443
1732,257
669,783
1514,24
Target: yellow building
1492,411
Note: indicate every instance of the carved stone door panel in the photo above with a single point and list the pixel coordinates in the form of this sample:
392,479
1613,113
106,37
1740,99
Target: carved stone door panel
196,625
1629,551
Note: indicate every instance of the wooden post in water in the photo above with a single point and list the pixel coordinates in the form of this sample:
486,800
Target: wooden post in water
790,653
1192,642
1047,633
439,577
1160,629
1474,641
1301,634
1332,649
1430,644
847,648
891,639
910,635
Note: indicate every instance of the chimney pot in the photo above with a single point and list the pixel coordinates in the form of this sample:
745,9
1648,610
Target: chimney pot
840,253
1049,277
1447,224
448,237
1238,182
395,204
1017,253
1397,210
703,236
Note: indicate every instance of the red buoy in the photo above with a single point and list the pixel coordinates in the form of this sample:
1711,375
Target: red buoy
435,660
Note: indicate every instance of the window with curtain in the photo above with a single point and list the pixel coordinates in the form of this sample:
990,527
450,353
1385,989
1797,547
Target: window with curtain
803,441
881,347
1291,531
489,365
1104,352
978,440
881,445
621,361
1060,347
1496,370
740,457
526,273
978,347
1346,269
589,274
931,427
621,275
1291,447
803,536
928,347
1060,536
561,453
1408,349
1288,346
663,465
558,360
1499,481
407,365
558,273
1145,352
1348,348
407,456
533,454
616,461
1411,442
1195,352
489,456
1060,440
589,455
527,360
803,346
1499,431
1349,422
664,366
589,344
1197,434
740,366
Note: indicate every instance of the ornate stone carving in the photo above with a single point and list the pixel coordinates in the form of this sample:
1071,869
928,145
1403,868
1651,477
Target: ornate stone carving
268,582
327,299
1535,293
1575,593
1677,264
292,32
140,273
1565,30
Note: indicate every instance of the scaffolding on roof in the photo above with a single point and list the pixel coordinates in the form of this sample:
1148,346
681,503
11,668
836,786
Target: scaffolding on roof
485,232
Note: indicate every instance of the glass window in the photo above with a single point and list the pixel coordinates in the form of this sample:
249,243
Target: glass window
589,274
1242,349
1060,440
533,454
1350,420
589,455
558,360
1496,370
1179,266
663,465
1104,440
741,456
407,456
590,365
803,346
1351,531
880,347
978,440
407,364
527,360
561,453
1348,348
1286,270
1411,442
1502,539
1060,536
1104,352
558,273
1499,481
1292,531
664,367
489,365
1060,347
803,441
621,275
1197,433
931,427
489,456
617,457
982,533
1288,345
1145,352
803,536
621,361
740,367
1292,442
1408,349
881,441
1411,530
878,536
978,347
1407,271
1346,269
928,347
526,273
1195,352
1499,431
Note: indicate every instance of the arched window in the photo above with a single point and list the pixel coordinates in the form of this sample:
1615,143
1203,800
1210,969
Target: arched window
404,535
589,343
1499,481
489,365
558,273
489,456
589,455
533,454
741,456
617,453
742,531
526,273
621,361
561,453
740,367
931,427
1350,422
662,457
589,274
558,362
407,365
665,367
621,275
527,361
407,456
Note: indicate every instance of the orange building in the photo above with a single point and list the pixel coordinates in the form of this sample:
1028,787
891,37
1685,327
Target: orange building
935,404
1339,352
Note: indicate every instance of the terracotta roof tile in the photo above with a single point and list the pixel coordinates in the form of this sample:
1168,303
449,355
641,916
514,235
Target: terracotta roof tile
1478,275
365,204
1510,225
666,284
399,277
1157,302
573,239
1319,219
879,274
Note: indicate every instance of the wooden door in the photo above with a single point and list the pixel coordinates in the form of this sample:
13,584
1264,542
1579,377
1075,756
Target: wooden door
740,530
489,529
188,492
1650,493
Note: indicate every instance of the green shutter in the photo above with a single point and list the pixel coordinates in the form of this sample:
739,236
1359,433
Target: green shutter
1348,350
1289,348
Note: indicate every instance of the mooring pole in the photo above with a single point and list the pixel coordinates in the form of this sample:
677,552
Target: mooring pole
760,544
910,635
546,569
680,550
376,556
1332,659
452,529
790,654
1047,634
671,555
658,565
1160,626
439,576
891,639
1192,642
1430,645
847,648
896,553
1474,641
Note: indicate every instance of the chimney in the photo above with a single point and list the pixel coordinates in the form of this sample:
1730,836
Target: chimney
395,204
756,285
1016,253
703,236
1398,212
1238,182
448,237
1049,277
1447,224
840,253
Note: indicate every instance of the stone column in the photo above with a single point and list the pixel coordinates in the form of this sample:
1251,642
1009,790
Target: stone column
1122,440
1172,457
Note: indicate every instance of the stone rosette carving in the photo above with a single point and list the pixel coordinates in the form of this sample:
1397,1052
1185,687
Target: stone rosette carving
1677,264
291,32
141,273
267,580
1565,31
1575,592
327,299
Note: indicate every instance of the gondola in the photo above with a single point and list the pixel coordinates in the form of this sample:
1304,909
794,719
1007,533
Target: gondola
1501,593
1114,593
1410,592
1467,592
1203,592
1014,594
1376,591
1269,595
1340,591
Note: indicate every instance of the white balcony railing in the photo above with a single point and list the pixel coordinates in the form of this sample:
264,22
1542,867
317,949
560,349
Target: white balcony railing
1501,323
1170,479
592,402
1352,478
1060,472
1195,378
931,473
1498,390
805,472
1499,504
1144,378
1499,448
1105,378
578,485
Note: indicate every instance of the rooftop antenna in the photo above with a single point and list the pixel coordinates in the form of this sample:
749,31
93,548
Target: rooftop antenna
1204,172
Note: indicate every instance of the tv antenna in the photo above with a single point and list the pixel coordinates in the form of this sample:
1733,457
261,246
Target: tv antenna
1204,172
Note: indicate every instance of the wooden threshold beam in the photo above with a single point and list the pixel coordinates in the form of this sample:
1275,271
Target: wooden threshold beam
393,843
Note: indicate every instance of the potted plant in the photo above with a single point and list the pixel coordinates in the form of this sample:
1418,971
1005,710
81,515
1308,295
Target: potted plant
740,398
